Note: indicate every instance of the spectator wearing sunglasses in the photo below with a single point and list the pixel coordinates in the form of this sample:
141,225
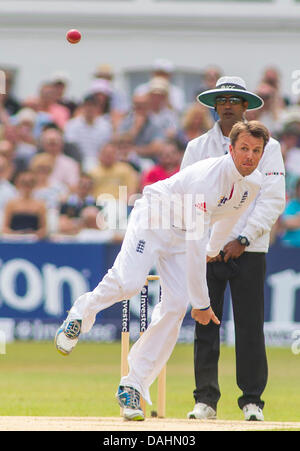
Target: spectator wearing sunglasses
241,261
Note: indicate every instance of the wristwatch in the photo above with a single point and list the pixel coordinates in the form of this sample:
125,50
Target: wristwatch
243,240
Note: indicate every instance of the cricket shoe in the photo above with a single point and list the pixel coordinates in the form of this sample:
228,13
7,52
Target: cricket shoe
253,413
67,336
202,412
129,399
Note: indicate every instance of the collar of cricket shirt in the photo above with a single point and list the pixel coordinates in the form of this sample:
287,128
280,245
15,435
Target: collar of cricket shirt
237,177
224,140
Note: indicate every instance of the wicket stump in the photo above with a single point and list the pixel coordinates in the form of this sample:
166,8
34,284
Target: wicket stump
125,345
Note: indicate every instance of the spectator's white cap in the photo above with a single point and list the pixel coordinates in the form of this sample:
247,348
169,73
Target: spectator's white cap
60,77
26,115
163,65
159,84
100,85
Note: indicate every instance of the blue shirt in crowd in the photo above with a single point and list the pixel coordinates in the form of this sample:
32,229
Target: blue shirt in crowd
292,237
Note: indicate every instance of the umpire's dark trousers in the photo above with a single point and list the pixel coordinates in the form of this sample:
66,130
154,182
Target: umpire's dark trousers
247,292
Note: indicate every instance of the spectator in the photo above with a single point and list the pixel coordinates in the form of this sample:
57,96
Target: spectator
110,174
102,91
272,77
93,227
66,170
7,189
290,140
24,139
11,103
7,150
290,220
89,132
164,68
290,144
60,81
69,149
271,111
43,118
161,113
73,204
46,190
25,215
126,152
48,110
47,102
169,161
196,121
119,102
5,121
210,77
146,135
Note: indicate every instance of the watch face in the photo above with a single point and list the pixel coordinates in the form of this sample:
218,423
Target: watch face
243,240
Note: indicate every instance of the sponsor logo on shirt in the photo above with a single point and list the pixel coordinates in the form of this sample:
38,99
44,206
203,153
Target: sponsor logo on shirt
274,173
222,201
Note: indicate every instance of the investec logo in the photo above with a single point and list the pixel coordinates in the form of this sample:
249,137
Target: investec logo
44,286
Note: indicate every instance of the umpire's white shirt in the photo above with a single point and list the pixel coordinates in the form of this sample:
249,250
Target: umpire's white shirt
257,221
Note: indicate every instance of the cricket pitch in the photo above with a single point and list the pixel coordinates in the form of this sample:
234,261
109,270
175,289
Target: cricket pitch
27,423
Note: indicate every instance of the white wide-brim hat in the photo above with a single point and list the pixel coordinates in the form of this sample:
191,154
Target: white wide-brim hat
231,86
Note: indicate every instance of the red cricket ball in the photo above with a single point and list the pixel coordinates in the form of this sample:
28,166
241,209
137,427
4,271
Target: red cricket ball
73,36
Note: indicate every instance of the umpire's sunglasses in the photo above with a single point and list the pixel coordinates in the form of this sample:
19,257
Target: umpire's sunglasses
231,100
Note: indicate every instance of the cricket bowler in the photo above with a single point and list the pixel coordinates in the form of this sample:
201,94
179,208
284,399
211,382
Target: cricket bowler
212,194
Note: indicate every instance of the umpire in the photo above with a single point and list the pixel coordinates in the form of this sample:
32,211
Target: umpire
241,263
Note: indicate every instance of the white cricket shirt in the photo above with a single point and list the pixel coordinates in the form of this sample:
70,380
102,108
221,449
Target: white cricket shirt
218,195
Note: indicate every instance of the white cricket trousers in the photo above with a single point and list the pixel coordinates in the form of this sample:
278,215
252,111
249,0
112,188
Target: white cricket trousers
143,248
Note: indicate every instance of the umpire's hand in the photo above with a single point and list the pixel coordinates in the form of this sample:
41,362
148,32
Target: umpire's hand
204,316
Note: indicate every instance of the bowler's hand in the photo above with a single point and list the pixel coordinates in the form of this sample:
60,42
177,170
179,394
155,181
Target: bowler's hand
204,316
233,249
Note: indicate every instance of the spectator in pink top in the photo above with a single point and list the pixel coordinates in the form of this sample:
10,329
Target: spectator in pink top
47,102
66,170
47,108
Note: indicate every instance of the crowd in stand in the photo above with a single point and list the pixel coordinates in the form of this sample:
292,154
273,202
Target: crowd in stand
63,161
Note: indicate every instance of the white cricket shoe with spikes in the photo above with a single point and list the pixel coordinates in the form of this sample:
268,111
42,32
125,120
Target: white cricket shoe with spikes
202,412
253,413
129,399
67,336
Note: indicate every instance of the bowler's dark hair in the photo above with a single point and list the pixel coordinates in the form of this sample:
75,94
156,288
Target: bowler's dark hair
254,128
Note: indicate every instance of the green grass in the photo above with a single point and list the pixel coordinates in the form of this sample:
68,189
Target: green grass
35,380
